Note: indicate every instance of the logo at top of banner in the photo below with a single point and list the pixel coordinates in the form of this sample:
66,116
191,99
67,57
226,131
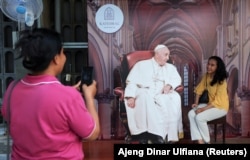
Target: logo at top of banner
109,18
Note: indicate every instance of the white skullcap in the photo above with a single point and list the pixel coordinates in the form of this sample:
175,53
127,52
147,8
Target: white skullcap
159,46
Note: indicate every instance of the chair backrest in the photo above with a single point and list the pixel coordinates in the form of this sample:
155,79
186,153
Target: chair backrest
133,57
130,59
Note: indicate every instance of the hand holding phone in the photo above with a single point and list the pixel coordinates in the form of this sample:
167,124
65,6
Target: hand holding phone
87,75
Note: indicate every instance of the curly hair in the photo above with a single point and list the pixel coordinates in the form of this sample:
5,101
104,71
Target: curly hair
38,47
220,73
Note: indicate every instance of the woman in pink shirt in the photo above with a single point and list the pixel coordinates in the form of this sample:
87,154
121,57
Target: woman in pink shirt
47,119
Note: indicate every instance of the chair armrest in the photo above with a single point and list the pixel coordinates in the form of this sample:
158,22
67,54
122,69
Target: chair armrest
119,91
179,88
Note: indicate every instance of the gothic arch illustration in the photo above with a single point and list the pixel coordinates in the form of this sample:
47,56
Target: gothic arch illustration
193,31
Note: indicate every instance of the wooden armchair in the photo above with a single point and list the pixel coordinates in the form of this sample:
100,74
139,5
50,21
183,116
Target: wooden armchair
127,62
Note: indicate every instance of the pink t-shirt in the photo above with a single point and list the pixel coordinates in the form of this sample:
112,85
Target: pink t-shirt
48,120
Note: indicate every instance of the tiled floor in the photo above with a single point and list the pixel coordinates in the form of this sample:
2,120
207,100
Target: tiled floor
92,151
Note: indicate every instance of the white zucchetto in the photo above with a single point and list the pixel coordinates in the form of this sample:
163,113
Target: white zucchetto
159,46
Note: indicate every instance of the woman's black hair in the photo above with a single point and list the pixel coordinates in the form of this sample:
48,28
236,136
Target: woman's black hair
220,73
38,47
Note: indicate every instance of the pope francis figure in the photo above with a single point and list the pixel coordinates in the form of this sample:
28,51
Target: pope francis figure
153,106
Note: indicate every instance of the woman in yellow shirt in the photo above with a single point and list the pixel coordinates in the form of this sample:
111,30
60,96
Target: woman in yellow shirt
215,82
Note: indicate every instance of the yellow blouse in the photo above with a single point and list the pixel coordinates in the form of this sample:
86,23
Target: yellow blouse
217,93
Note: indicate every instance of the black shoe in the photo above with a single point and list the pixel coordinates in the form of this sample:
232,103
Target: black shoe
142,138
143,141
172,142
155,139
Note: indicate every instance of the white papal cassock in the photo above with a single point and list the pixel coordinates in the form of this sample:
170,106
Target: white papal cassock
154,112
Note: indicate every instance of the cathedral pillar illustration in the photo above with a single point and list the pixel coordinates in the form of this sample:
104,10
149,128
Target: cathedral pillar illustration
245,112
104,112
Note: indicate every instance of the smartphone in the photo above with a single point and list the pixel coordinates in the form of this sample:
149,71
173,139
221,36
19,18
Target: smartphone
87,75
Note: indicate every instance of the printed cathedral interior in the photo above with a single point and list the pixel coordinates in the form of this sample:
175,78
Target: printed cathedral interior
193,30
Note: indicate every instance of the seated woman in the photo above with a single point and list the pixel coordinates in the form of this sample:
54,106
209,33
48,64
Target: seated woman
215,82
